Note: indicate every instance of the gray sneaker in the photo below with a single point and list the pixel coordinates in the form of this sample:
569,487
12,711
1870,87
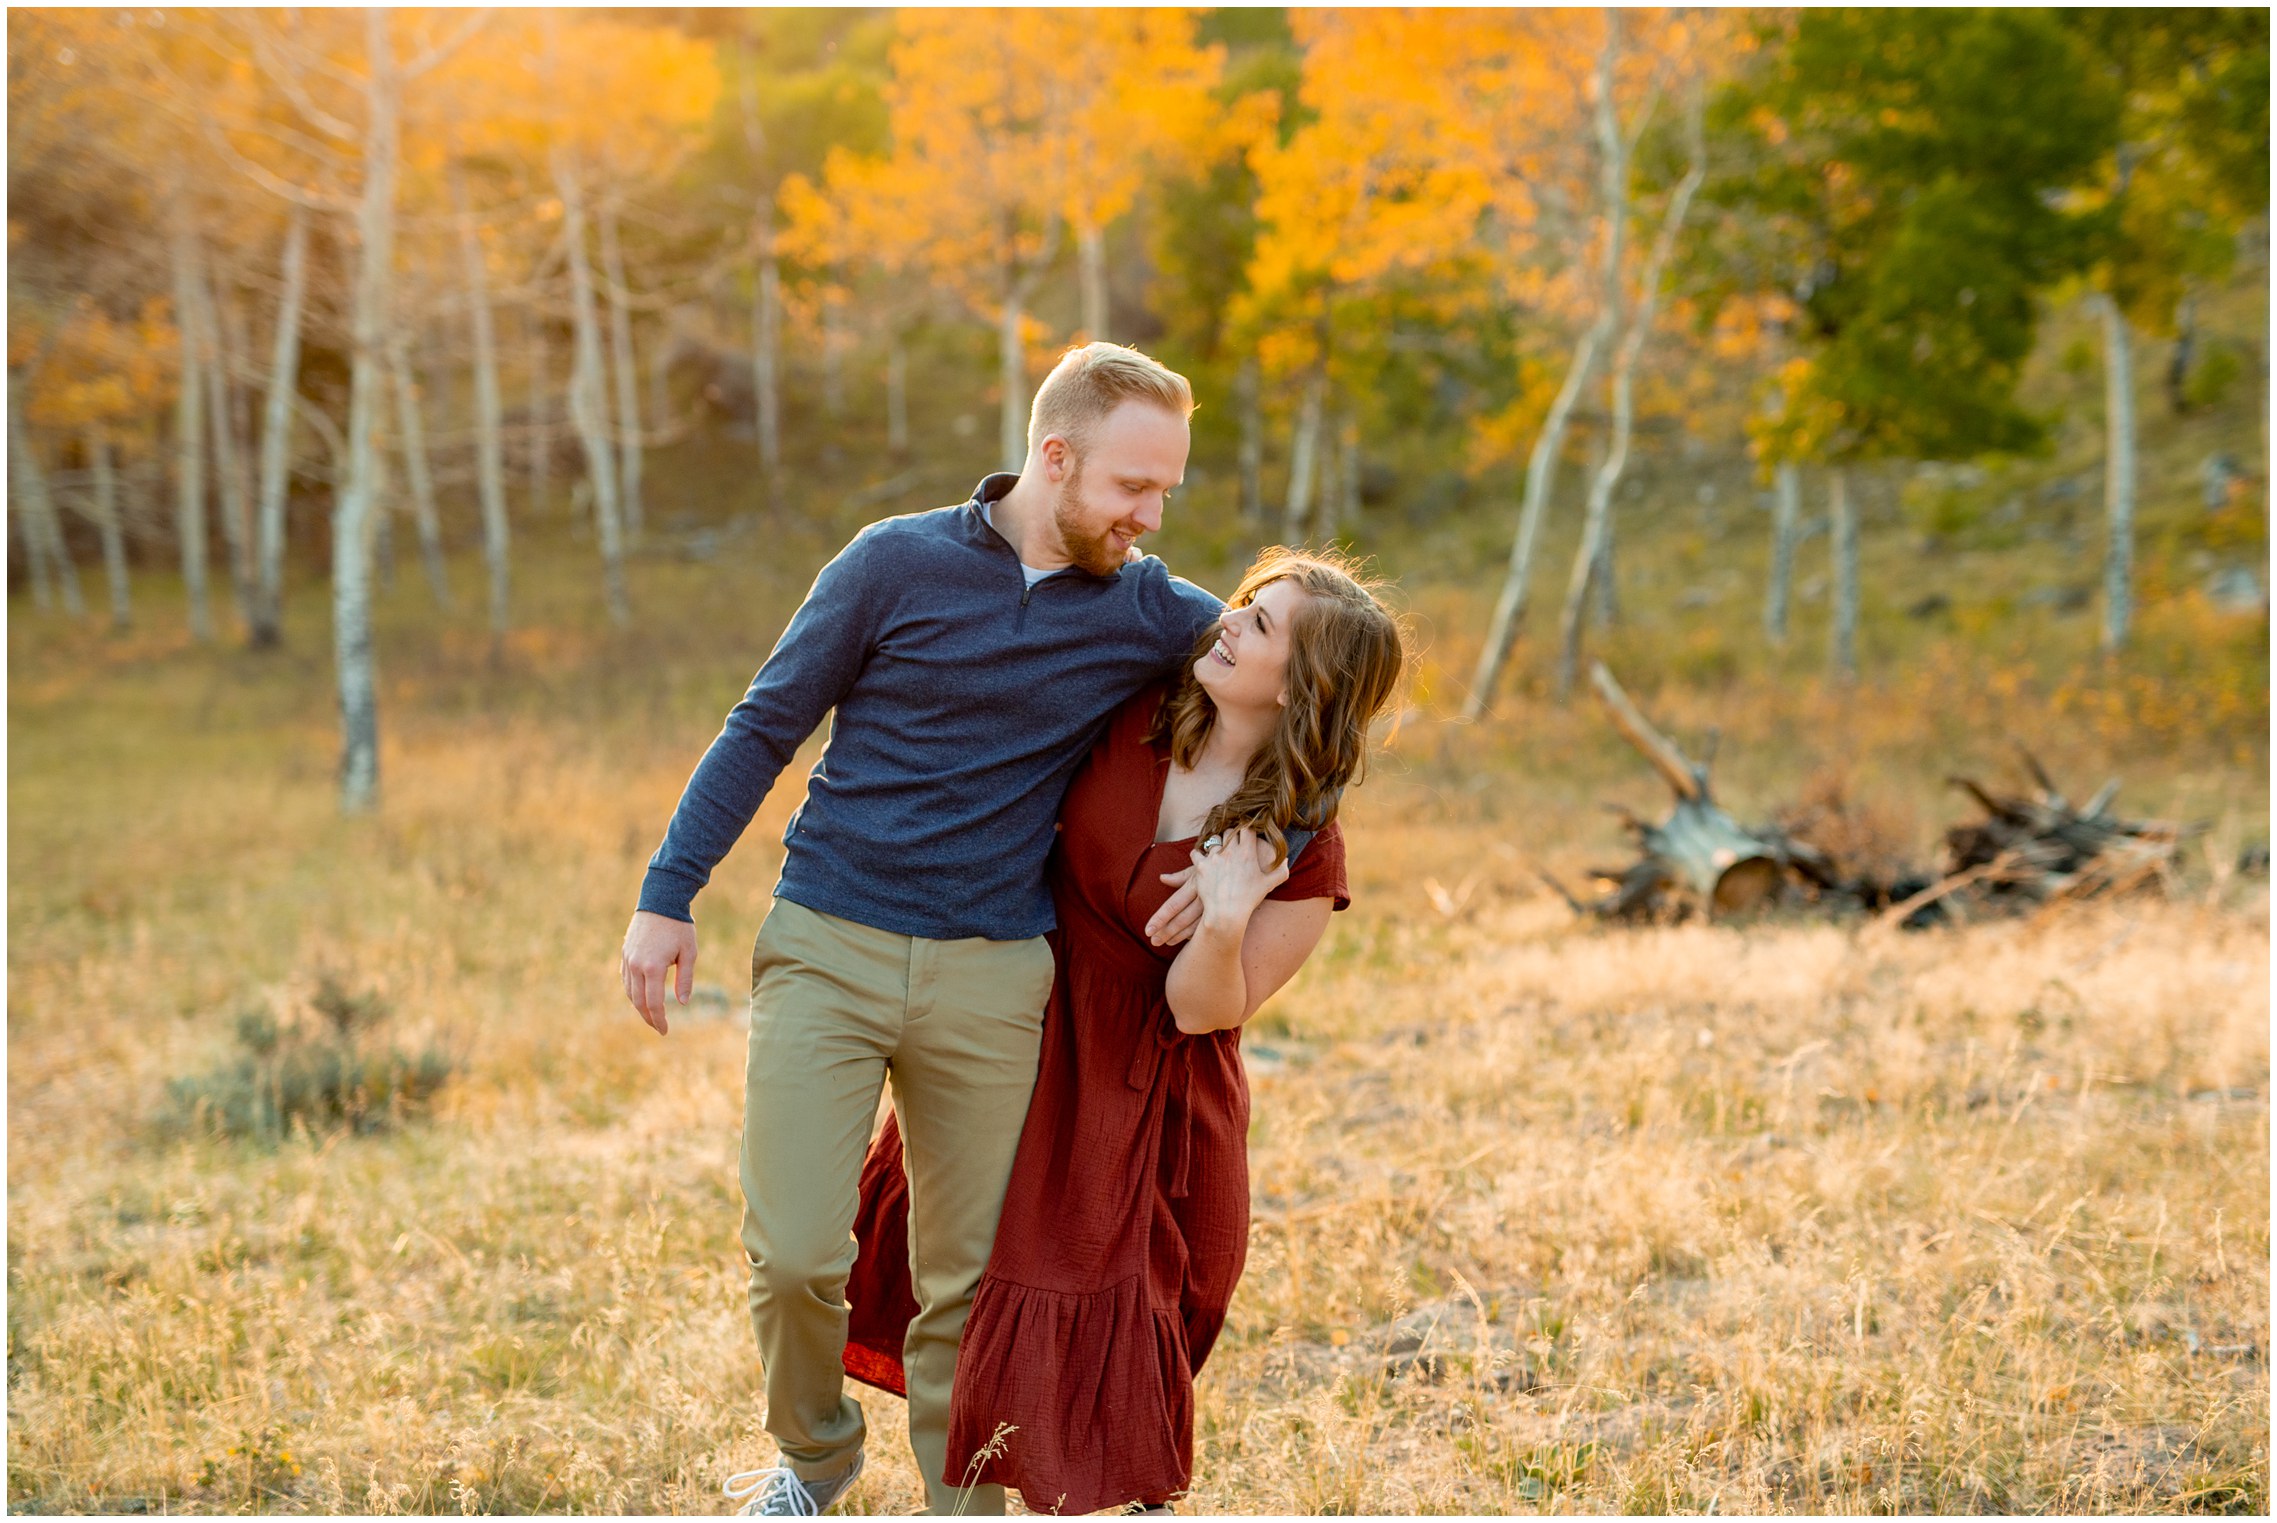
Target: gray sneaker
778,1492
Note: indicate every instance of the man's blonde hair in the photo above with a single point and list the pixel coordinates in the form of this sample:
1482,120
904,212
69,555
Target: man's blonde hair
1091,380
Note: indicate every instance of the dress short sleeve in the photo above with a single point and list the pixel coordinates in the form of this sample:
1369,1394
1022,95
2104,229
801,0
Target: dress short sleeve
1319,870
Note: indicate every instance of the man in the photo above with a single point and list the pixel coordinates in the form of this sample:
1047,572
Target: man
970,654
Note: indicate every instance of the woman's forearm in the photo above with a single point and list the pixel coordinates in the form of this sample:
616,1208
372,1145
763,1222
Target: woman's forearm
1207,990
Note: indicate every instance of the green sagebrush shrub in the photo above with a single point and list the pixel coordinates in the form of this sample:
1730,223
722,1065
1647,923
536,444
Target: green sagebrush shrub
331,1069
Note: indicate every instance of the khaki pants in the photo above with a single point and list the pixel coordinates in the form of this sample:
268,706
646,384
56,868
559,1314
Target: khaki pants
834,1007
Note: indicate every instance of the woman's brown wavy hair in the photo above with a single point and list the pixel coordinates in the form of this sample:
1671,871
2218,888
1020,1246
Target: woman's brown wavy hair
1346,653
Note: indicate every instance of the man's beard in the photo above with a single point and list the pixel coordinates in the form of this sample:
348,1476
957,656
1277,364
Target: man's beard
1090,552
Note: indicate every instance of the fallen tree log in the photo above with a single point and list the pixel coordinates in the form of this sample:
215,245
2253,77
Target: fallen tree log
2054,852
2028,851
1700,859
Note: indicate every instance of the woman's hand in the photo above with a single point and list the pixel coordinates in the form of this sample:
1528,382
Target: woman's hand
1233,879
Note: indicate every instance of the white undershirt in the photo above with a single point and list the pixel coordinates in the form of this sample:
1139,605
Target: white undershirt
1030,574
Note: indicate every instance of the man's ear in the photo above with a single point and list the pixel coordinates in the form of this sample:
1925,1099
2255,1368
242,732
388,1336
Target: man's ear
1056,457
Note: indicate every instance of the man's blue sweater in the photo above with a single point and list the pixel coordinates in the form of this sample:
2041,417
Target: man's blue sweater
964,700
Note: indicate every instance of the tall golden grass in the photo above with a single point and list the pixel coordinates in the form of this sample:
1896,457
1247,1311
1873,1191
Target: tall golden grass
1788,1217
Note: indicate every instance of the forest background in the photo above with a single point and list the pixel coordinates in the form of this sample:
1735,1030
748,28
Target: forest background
422,422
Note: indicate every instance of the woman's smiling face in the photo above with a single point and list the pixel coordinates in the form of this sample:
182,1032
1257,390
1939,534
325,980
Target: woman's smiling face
1246,666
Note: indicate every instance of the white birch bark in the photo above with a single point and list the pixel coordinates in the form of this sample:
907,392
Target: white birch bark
1091,259
1604,596
490,469
2119,474
265,615
1786,515
28,532
189,425
541,416
1020,279
1842,523
42,527
1541,470
383,523
233,477
766,367
621,367
1596,523
1247,389
108,527
588,404
354,508
1296,512
411,435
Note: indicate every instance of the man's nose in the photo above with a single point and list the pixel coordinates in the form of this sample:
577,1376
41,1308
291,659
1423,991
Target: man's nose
1150,515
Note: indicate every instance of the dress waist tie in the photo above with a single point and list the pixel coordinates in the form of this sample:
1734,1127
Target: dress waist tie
1179,1137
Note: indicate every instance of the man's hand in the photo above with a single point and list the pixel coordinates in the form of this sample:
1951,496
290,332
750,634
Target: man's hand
654,946
1180,913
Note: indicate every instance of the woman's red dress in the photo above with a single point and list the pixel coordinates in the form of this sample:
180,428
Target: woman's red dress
1126,1222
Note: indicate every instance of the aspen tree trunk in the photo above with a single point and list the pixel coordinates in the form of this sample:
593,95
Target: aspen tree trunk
1247,387
1297,511
35,557
1613,166
412,431
1541,464
354,507
660,392
2118,475
1011,365
766,370
1091,258
588,405
1327,487
1786,513
897,397
21,465
1604,598
190,426
265,616
766,305
1842,521
833,358
232,473
2185,349
383,524
621,366
490,469
1011,356
1541,468
107,525
1349,474
541,422
231,488
42,528
1596,544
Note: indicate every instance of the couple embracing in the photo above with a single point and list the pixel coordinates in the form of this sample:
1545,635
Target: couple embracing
1075,822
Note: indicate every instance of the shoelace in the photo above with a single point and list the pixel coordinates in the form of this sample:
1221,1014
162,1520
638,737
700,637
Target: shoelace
750,1483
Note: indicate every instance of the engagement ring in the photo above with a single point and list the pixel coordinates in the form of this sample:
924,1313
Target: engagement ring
1212,844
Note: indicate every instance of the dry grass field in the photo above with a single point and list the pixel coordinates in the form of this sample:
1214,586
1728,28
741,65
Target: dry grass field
1790,1217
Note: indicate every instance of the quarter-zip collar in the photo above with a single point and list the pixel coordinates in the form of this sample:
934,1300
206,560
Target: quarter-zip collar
992,489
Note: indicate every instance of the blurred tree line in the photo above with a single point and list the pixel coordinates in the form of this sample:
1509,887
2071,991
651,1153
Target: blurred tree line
306,282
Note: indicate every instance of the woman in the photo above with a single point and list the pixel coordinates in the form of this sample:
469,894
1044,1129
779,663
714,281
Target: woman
1126,1221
